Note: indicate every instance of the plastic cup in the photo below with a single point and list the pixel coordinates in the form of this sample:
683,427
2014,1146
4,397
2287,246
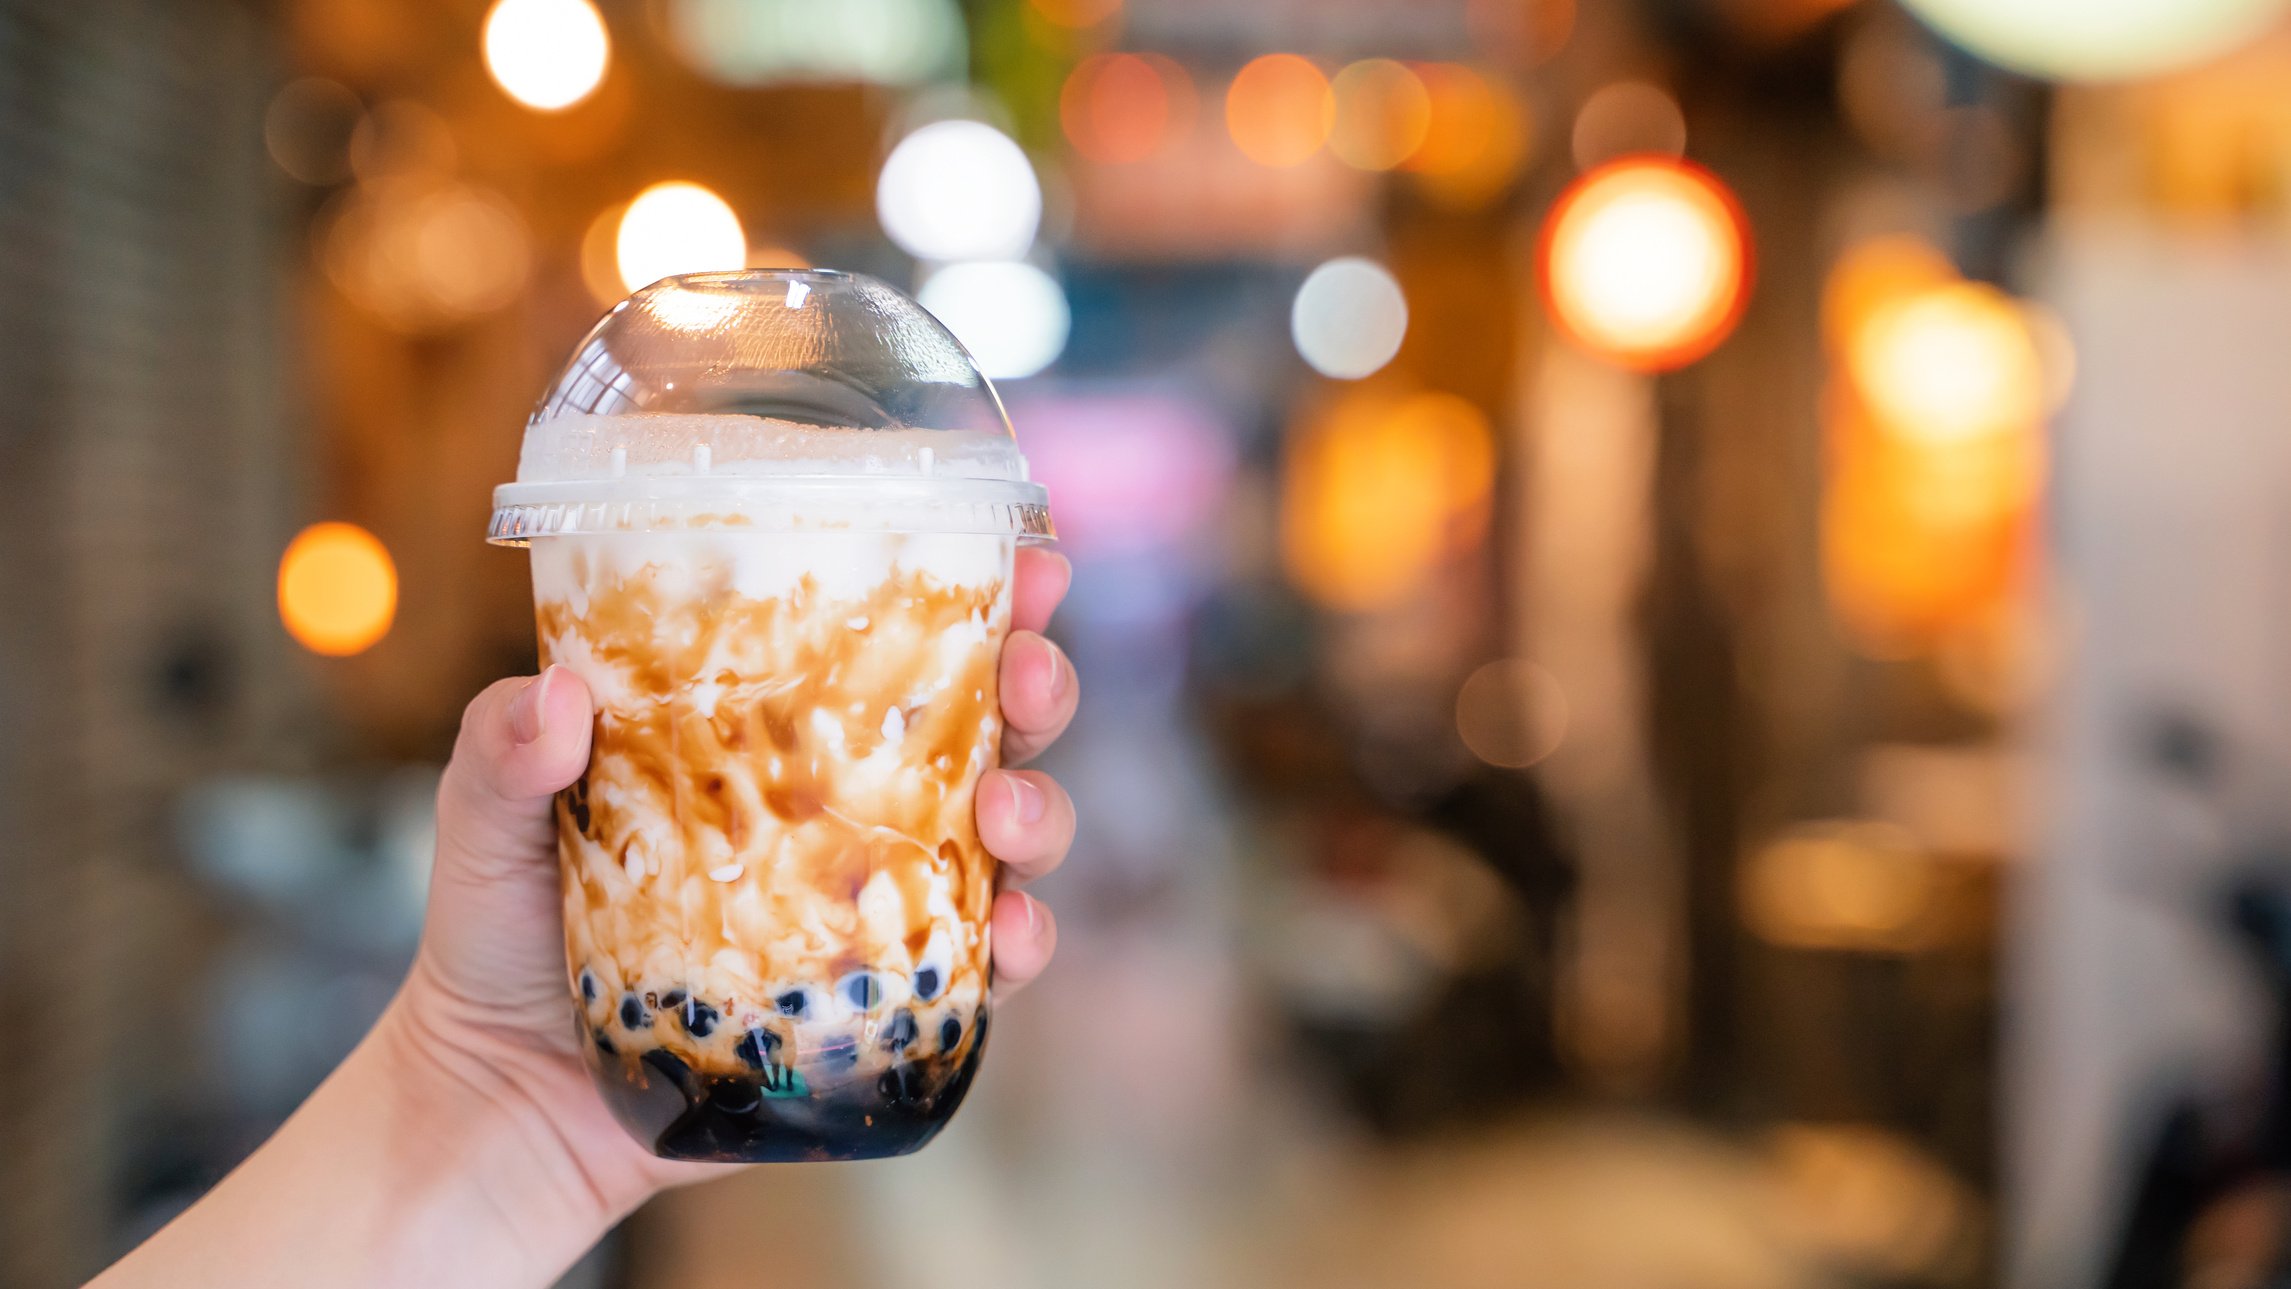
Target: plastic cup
772,517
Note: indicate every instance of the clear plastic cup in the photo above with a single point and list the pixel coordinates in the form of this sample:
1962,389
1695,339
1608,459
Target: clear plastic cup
772,517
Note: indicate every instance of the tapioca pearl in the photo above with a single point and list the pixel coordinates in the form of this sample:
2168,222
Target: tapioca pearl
588,985
862,990
902,1032
757,1048
699,1018
795,1003
605,1043
734,1096
900,1085
927,983
950,1033
632,1012
671,1067
672,1000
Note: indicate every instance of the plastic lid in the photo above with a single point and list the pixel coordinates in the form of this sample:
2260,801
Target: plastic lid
774,399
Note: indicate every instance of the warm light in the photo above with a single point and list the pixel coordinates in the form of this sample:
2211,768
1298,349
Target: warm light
1012,316
1349,318
1646,262
1077,13
2098,39
1949,362
767,42
1920,536
1860,886
674,228
1874,275
337,589
1375,494
1280,110
776,257
959,190
421,255
546,54
1627,118
1383,113
1476,136
1122,108
1511,713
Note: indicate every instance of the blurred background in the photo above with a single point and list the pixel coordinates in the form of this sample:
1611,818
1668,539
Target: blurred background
1686,604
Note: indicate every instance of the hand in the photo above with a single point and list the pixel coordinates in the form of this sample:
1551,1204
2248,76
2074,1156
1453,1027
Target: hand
484,1010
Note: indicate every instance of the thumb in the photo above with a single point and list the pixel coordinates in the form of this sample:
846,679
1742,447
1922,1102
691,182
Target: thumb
521,741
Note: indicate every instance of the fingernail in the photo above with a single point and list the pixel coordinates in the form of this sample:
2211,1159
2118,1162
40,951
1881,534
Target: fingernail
1026,800
525,710
1057,669
1033,913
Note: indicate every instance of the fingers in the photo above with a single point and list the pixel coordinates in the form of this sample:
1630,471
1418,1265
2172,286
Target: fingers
1039,694
1025,935
1038,582
521,740
1026,821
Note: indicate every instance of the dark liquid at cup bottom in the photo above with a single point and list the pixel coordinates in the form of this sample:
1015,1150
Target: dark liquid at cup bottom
771,1117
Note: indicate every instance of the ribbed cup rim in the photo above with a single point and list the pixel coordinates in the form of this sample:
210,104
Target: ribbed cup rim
782,503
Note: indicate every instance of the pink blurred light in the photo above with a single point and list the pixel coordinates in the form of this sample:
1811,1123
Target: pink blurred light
1127,473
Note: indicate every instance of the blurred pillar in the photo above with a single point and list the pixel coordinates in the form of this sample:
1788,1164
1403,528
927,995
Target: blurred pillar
144,482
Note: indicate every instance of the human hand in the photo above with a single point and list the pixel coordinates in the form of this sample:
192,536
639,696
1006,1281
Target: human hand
484,1013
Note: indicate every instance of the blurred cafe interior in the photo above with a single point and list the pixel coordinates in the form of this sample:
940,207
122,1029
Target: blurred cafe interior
1688,679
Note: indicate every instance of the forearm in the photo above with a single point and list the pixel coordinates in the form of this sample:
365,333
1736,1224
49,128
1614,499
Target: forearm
406,1167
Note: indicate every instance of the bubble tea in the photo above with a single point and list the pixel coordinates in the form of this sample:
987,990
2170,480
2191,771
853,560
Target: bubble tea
772,517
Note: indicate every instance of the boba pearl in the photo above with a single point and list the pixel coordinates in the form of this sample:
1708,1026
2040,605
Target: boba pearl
605,1043
672,1000
950,1033
862,990
756,1047
927,983
670,1065
588,985
795,1002
902,1031
632,1012
699,1018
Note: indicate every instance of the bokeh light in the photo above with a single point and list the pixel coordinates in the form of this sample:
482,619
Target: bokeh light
676,227
2098,39
337,589
307,129
767,42
421,255
1012,316
959,190
1349,318
1280,110
1949,362
1377,492
1077,14
1874,274
1477,136
1646,262
1511,713
1122,108
1626,118
546,54
1383,113
1845,885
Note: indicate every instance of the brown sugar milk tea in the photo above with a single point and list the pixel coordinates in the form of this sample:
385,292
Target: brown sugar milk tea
772,517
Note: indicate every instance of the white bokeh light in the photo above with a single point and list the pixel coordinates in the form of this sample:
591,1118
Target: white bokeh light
959,190
2098,39
1349,318
1648,263
1012,316
546,54
674,228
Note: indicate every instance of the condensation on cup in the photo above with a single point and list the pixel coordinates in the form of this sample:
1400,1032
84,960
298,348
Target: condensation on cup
772,517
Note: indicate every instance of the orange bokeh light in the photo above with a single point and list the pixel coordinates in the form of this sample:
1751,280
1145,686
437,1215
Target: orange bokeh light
1280,110
1379,491
1123,108
1476,135
1646,262
1078,14
337,589
1383,112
